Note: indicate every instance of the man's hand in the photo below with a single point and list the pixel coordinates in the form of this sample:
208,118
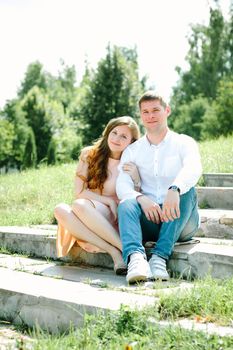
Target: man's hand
171,206
151,209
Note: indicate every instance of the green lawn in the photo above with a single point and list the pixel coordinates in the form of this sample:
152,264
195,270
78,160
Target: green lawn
217,155
208,300
30,197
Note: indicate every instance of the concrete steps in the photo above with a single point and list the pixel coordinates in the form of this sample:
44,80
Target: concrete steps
54,303
218,179
55,295
212,255
215,197
216,223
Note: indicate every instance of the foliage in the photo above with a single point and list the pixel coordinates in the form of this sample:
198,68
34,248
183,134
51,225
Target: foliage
34,76
30,154
113,91
218,120
6,141
14,114
206,59
52,153
62,88
35,105
190,118
209,76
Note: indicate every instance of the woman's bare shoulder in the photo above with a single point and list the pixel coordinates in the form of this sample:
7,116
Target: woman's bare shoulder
84,153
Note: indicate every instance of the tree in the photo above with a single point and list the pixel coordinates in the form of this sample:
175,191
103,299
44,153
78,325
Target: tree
52,152
30,154
14,114
218,120
206,59
34,76
35,105
210,60
189,119
62,88
113,91
6,141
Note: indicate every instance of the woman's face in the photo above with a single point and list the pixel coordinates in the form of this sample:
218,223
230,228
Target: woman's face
119,138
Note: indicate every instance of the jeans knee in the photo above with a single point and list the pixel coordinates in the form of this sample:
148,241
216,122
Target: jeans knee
128,205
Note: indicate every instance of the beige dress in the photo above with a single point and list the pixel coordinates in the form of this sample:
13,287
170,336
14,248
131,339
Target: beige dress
65,239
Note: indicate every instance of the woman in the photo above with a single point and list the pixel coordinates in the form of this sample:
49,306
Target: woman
92,219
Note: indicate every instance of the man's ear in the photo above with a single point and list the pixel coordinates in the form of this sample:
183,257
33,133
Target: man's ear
168,110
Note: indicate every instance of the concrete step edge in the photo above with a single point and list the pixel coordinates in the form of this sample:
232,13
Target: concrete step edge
46,306
55,304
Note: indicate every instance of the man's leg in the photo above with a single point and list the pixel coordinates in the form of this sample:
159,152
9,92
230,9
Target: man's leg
171,231
129,214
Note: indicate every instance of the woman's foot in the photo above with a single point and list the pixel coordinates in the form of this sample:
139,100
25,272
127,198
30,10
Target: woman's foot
120,267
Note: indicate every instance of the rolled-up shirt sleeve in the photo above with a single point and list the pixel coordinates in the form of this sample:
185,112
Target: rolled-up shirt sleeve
124,184
191,170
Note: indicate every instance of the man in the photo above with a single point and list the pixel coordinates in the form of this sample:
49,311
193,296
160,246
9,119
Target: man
165,210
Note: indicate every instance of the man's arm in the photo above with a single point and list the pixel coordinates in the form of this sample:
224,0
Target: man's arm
192,169
185,179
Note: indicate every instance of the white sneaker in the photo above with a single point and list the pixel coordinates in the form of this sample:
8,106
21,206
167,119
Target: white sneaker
158,268
138,268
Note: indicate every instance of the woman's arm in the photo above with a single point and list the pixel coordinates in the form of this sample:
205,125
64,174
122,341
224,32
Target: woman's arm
131,169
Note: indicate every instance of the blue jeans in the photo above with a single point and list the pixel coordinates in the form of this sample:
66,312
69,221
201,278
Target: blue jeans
135,228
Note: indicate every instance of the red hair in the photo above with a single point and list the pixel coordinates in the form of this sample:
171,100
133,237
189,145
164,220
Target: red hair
99,153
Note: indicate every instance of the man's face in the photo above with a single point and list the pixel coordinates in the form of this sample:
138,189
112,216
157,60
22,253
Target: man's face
154,115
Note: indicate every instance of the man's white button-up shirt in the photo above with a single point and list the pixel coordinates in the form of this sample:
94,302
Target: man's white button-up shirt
174,161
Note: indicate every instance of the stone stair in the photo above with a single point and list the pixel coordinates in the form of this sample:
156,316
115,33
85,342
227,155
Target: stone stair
39,288
54,295
213,255
215,197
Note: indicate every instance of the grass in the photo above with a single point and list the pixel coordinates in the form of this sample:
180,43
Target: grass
217,155
208,301
109,337
128,329
29,197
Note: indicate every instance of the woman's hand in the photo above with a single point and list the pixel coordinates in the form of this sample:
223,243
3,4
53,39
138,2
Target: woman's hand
131,169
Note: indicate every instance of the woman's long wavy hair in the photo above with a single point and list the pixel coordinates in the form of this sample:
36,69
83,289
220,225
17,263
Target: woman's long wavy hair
99,153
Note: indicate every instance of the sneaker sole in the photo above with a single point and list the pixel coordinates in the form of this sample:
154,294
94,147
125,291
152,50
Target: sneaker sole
156,278
137,278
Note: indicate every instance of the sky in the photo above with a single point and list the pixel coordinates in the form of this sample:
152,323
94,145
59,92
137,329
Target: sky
80,30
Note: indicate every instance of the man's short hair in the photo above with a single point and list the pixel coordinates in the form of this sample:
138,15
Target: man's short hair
151,96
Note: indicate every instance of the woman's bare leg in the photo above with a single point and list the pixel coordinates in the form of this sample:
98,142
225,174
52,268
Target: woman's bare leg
96,222
71,222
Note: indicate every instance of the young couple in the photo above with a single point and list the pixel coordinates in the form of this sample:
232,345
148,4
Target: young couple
149,181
